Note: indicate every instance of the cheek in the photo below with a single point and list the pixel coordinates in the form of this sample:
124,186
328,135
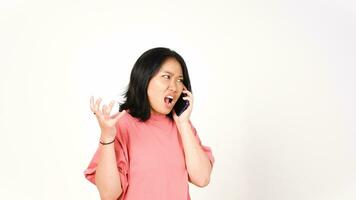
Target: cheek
151,93
159,85
180,87
154,89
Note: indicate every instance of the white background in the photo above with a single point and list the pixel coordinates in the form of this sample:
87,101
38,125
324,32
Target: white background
274,86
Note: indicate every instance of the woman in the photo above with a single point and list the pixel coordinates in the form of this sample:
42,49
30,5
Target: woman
147,151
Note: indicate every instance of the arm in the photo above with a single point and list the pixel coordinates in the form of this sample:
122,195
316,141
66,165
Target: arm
107,175
197,162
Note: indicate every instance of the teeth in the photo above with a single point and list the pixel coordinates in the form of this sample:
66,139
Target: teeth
170,98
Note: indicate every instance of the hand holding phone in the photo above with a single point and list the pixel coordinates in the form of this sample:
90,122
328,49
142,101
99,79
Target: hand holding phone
181,105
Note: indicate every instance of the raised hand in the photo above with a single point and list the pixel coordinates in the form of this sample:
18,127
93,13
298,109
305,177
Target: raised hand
106,123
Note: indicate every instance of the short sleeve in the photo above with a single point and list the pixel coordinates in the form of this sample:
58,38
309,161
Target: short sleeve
121,153
206,149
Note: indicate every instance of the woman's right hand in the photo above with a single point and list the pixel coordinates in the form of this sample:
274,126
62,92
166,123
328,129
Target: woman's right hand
107,124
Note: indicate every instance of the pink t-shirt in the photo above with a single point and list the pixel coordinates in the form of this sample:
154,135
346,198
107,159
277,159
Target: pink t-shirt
150,159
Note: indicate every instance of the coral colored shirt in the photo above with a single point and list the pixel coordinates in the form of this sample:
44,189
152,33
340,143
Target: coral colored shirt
150,159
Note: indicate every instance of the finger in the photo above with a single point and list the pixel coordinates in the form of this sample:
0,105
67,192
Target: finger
97,105
187,92
104,110
174,114
189,95
190,100
92,103
111,104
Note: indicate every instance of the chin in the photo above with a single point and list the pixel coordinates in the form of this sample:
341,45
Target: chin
166,112
163,112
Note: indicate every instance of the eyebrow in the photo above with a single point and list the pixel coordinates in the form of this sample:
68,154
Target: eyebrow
171,73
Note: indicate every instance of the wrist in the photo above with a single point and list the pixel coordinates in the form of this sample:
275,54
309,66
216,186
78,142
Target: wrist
107,141
106,138
184,124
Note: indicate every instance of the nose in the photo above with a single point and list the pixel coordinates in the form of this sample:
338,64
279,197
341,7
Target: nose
173,86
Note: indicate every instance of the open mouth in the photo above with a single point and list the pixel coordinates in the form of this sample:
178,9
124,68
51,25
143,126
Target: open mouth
168,100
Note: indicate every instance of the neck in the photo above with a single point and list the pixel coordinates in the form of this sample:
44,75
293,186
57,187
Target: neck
157,115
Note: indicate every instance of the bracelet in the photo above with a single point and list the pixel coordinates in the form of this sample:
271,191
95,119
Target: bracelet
103,143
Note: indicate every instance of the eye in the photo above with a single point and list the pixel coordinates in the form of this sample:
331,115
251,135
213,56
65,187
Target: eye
166,76
180,80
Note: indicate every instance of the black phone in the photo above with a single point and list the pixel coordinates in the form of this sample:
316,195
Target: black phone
181,105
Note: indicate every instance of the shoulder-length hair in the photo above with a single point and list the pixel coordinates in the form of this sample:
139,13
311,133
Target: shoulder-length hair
147,66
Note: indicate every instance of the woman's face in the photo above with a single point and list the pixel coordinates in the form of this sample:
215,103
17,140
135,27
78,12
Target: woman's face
166,84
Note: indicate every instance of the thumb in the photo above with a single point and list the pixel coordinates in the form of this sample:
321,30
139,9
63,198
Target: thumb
119,115
175,116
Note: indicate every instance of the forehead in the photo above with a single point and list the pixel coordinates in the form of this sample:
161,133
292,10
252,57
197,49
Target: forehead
172,66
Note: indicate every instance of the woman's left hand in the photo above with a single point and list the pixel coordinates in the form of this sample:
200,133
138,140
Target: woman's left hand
185,116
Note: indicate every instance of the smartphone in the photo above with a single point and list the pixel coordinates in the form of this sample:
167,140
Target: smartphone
181,105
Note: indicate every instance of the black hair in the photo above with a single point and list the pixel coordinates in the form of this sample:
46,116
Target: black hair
147,65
